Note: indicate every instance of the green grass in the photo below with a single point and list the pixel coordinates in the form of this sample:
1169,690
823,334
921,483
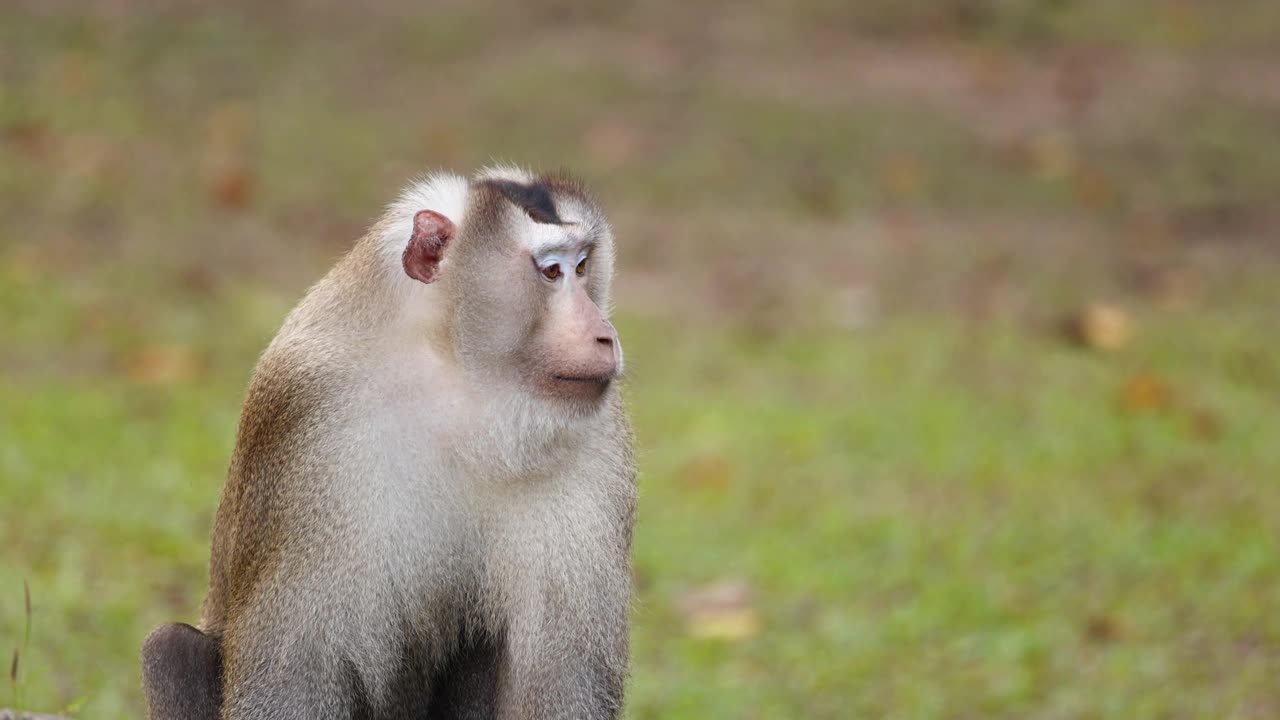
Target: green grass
934,523
948,512
930,541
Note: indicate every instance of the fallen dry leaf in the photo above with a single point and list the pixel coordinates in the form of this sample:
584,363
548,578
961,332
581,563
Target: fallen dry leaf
164,364
721,610
1091,189
902,176
31,138
229,128
1102,629
1053,155
232,189
725,624
1146,392
227,163
1205,425
1100,326
707,471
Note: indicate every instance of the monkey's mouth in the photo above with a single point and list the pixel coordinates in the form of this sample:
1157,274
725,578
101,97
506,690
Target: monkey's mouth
602,380
588,385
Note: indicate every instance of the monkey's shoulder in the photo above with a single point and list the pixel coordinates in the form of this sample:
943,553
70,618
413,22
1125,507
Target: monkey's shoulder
296,397
280,468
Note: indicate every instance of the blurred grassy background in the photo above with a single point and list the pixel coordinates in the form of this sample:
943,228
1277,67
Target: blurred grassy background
879,478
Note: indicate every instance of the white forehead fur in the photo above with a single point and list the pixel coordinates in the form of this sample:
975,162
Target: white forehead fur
510,173
447,194
538,236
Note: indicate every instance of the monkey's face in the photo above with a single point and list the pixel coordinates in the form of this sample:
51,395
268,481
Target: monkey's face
533,285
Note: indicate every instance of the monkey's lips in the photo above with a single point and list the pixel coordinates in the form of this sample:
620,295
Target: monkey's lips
581,385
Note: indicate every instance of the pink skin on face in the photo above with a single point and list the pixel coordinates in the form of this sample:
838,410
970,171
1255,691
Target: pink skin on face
585,347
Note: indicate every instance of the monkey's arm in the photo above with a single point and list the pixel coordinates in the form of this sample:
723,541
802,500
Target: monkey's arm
276,573
282,660
565,665
567,637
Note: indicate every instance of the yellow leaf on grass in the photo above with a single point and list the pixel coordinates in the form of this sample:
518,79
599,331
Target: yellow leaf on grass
228,157
1103,327
1102,629
706,471
1205,425
1091,188
902,175
1053,155
725,624
232,189
721,610
164,364
1146,392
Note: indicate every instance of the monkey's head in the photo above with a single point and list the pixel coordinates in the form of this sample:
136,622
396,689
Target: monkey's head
524,264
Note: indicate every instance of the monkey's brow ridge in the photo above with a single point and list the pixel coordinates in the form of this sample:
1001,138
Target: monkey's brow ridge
534,199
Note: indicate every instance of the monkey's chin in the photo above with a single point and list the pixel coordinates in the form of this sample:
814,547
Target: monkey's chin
589,389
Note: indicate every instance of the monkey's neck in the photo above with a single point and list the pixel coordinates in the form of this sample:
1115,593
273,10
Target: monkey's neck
510,436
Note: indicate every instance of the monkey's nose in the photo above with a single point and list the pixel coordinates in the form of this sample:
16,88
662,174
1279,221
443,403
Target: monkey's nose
611,351
602,352
607,350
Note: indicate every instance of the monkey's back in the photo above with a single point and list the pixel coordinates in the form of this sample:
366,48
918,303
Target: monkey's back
284,406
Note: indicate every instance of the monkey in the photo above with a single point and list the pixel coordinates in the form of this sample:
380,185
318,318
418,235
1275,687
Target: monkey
429,509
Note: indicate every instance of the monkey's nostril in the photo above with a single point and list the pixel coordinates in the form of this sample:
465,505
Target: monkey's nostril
606,341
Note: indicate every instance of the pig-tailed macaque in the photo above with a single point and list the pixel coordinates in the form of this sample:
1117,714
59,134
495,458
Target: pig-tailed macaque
429,509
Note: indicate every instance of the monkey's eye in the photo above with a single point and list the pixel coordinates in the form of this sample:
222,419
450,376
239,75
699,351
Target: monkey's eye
551,272
582,267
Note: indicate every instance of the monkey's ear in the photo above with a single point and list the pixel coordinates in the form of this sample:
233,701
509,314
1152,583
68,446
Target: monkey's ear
431,233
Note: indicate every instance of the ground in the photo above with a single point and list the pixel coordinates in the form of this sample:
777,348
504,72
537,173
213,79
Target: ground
880,476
